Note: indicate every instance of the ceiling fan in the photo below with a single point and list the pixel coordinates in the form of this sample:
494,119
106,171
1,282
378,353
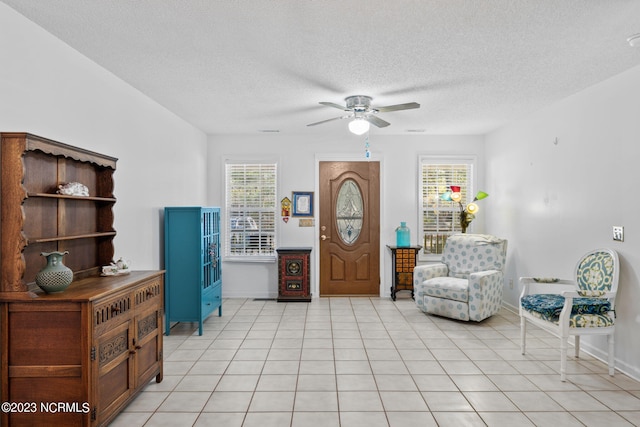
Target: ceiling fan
360,109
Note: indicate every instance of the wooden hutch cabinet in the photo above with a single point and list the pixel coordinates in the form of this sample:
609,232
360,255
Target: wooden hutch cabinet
77,357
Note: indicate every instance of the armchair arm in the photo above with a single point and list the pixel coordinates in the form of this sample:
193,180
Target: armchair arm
428,271
558,282
561,283
483,273
485,293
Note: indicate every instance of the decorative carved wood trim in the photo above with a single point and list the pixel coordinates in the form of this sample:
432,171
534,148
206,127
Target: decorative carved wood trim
147,325
148,292
113,348
12,195
112,309
49,146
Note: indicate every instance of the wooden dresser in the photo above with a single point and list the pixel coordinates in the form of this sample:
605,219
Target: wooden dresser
92,346
77,357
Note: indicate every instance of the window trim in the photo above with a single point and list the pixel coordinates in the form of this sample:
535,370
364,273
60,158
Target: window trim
423,159
227,208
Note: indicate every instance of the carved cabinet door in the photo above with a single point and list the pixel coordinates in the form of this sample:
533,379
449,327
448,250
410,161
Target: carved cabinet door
147,343
115,365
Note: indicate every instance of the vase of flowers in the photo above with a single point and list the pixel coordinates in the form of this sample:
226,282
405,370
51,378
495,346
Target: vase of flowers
468,212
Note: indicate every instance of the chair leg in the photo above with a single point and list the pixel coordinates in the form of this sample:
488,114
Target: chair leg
611,342
564,343
577,346
523,335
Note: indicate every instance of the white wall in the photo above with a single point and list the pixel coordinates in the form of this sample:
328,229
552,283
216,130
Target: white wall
298,171
558,200
49,89
553,202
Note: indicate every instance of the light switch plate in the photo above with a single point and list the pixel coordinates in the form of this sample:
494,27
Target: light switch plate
618,233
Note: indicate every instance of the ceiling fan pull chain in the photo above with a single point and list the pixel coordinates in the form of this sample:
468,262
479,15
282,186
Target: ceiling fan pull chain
367,153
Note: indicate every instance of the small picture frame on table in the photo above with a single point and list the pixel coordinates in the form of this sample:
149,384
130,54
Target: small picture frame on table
303,203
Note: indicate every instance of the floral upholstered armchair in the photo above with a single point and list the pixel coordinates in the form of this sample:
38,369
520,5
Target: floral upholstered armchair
467,284
586,308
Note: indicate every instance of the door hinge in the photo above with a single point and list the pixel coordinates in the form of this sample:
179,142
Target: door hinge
94,413
93,354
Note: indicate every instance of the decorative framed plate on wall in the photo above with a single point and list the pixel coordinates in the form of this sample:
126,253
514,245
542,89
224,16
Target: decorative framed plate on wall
302,203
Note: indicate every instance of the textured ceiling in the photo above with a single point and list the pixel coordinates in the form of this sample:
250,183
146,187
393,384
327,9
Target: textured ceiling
244,66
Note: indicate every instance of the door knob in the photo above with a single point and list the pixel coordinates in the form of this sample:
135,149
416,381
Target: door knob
323,237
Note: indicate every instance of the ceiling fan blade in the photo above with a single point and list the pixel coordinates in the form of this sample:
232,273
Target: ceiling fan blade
338,106
376,121
397,107
328,120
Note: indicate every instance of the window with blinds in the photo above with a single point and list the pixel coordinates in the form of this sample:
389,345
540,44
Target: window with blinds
439,218
250,210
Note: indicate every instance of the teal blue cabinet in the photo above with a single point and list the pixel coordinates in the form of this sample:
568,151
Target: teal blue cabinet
193,278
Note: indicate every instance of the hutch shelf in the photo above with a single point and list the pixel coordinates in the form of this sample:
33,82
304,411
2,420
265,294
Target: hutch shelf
97,343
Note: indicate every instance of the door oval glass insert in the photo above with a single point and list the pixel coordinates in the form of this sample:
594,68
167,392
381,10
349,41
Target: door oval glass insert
349,212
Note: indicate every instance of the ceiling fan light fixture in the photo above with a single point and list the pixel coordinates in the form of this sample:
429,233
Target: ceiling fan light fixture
359,108
358,126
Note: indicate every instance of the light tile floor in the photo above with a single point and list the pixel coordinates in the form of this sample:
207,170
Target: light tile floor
372,362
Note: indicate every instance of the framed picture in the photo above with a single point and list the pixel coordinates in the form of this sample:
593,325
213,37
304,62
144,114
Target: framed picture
303,203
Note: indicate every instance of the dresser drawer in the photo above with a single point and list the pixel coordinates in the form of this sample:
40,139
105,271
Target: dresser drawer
211,299
110,312
149,294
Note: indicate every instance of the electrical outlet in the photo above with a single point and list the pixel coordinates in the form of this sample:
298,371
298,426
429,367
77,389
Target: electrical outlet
618,233
510,283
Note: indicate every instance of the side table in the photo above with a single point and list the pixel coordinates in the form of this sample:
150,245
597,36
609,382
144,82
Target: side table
293,274
403,261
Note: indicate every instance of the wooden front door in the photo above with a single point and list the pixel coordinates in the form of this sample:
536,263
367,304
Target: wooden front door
349,228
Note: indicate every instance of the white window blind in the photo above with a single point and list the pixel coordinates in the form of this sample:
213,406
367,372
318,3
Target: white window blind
250,210
439,218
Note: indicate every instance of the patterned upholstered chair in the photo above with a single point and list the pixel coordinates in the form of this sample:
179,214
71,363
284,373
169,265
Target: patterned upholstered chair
468,283
587,309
